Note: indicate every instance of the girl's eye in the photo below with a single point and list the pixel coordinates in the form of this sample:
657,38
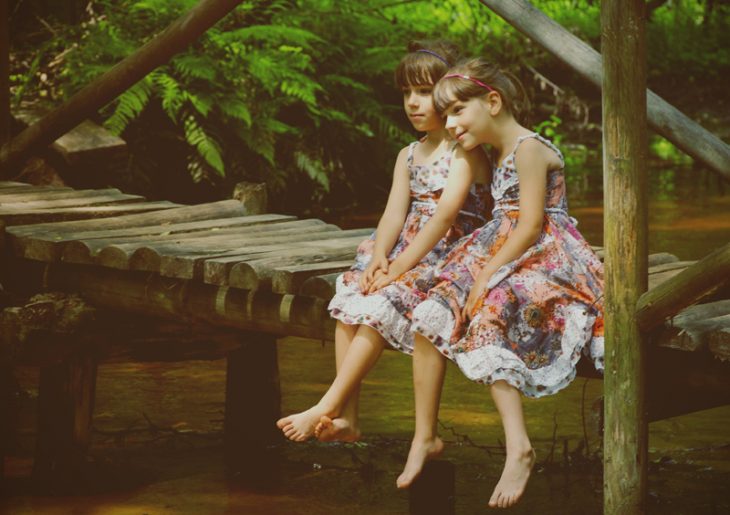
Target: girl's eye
425,91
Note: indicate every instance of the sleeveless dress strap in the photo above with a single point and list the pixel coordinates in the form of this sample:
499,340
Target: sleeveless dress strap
411,148
542,140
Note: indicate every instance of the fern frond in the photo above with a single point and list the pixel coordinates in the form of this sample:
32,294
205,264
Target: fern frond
206,146
129,106
314,168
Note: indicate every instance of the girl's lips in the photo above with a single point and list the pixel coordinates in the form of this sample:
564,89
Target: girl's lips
460,136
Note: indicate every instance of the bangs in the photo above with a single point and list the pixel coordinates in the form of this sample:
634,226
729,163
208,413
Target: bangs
418,69
447,92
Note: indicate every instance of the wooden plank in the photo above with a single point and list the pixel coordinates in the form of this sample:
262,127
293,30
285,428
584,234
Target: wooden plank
48,247
198,212
691,327
256,274
79,201
718,343
149,258
12,184
35,195
665,119
81,213
661,258
289,279
121,255
623,43
321,286
689,286
217,270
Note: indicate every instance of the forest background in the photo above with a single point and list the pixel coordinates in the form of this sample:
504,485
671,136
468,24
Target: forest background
299,94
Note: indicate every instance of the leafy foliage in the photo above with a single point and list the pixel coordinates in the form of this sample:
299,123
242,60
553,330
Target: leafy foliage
299,93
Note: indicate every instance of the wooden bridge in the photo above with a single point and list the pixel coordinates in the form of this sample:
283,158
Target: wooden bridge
129,279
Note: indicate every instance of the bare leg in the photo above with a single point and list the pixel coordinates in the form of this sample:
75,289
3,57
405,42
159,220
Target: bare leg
520,454
345,427
429,368
364,351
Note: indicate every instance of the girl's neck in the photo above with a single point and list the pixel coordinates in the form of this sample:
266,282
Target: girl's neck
506,134
435,137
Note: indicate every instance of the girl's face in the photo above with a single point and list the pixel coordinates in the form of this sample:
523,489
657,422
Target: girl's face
418,103
469,122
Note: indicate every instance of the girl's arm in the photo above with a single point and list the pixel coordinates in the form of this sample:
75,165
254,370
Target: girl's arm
532,161
461,173
391,221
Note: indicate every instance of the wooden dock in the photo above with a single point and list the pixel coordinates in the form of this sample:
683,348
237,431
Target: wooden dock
118,277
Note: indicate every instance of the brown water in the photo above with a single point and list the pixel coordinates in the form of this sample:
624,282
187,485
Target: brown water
146,467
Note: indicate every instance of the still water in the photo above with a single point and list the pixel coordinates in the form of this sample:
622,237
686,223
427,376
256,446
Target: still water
158,426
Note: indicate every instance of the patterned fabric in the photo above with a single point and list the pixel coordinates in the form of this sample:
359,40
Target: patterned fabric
539,312
389,310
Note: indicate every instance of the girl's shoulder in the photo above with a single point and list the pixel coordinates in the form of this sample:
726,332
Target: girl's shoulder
536,148
477,159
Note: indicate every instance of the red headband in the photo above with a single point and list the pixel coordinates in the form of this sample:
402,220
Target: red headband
467,77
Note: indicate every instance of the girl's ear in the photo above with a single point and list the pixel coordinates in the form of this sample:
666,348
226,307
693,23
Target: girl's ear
494,103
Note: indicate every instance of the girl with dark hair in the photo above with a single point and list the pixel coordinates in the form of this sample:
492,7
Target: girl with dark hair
437,196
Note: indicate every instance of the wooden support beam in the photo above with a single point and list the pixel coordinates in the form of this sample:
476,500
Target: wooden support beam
253,400
687,287
65,408
152,295
665,119
626,243
4,77
107,87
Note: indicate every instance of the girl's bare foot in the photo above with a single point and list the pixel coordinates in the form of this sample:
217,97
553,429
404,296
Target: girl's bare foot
336,430
421,451
511,486
300,426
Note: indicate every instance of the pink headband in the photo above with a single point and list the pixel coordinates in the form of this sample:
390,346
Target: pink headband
467,77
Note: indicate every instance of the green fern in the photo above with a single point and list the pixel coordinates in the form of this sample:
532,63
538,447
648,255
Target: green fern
129,106
204,144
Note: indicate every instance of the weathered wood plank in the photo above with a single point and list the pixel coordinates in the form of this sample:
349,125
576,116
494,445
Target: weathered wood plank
86,250
12,184
149,258
34,216
79,201
198,212
690,285
289,279
661,258
217,270
35,195
256,273
143,255
321,286
690,328
719,343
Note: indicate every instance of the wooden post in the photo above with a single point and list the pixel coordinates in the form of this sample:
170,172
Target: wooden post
252,408
106,88
253,197
4,75
433,490
65,408
625,240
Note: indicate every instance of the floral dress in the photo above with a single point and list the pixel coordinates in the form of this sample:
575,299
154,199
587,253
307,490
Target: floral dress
389,309
539,312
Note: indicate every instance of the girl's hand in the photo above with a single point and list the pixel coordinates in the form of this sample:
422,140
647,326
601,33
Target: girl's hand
476,293
377,263
383,279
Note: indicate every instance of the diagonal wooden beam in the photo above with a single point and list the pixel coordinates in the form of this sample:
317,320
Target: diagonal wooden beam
704,277
665,119
108,86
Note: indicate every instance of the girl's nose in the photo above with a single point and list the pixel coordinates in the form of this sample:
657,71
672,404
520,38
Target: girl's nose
450,122
413,99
